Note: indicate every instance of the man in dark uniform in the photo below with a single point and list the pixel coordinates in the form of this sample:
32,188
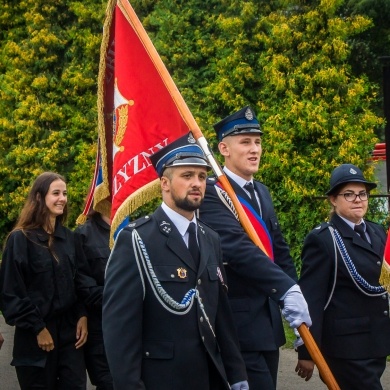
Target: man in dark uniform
258,284
341,265
167,323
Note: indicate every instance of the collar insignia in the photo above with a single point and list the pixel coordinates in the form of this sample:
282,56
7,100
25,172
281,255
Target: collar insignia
165,227
201,229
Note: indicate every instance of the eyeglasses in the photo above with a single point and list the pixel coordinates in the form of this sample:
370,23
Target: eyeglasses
351,196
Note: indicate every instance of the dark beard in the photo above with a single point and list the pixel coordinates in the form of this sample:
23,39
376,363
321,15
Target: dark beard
187,205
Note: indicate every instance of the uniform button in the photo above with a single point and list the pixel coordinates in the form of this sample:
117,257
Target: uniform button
384,296
378,263
172,276
147,217
199,281
203,338
146,353
274,290
201,319
385,312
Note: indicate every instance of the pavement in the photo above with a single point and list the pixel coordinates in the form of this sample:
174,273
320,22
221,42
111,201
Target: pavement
287,378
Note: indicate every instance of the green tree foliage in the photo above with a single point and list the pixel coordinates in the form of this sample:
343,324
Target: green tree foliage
288,59
370,46
373,43
49,54
318,114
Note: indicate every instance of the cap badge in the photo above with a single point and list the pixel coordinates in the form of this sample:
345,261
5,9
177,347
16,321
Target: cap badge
191,139
181,273
248,114
352,171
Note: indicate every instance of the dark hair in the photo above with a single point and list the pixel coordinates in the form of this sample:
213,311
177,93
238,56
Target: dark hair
35,213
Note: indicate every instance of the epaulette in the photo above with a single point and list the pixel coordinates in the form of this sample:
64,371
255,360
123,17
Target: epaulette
319,228
139,222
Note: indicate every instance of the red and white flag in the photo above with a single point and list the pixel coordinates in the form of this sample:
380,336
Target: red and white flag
138,114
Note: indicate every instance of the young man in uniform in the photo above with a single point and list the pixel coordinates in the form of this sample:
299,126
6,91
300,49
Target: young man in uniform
258,284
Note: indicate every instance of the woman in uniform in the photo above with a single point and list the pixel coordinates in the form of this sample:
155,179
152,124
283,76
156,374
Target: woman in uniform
39,286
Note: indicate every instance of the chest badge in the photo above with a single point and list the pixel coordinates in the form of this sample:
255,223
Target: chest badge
181,273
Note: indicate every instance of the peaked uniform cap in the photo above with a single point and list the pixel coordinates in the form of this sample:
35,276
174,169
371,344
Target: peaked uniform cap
347,173
182,152
243,121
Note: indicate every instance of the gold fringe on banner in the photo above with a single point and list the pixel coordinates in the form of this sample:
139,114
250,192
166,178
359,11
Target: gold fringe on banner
102,192
81,219
384,279
137,199
104,208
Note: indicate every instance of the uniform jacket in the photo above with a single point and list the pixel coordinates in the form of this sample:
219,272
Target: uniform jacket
35,287
149,347
354,325
256,284
95,235
92,241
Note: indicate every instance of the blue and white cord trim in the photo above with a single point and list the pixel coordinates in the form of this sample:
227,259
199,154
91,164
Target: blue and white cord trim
356,277
174,307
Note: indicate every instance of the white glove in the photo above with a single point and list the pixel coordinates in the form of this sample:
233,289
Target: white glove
295,309
240,386
298,341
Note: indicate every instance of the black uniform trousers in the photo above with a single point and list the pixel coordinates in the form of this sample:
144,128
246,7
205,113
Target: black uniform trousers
95,355
348,372
64,368
262,368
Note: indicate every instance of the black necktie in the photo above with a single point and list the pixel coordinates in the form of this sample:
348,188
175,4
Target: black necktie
360,229
193,243
249,187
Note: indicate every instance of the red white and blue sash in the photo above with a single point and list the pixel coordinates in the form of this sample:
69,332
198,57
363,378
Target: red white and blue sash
255,219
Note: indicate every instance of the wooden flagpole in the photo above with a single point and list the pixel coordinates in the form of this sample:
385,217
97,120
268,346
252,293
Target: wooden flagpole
186,114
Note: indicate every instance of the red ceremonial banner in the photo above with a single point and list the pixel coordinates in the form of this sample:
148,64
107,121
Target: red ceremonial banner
137,117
